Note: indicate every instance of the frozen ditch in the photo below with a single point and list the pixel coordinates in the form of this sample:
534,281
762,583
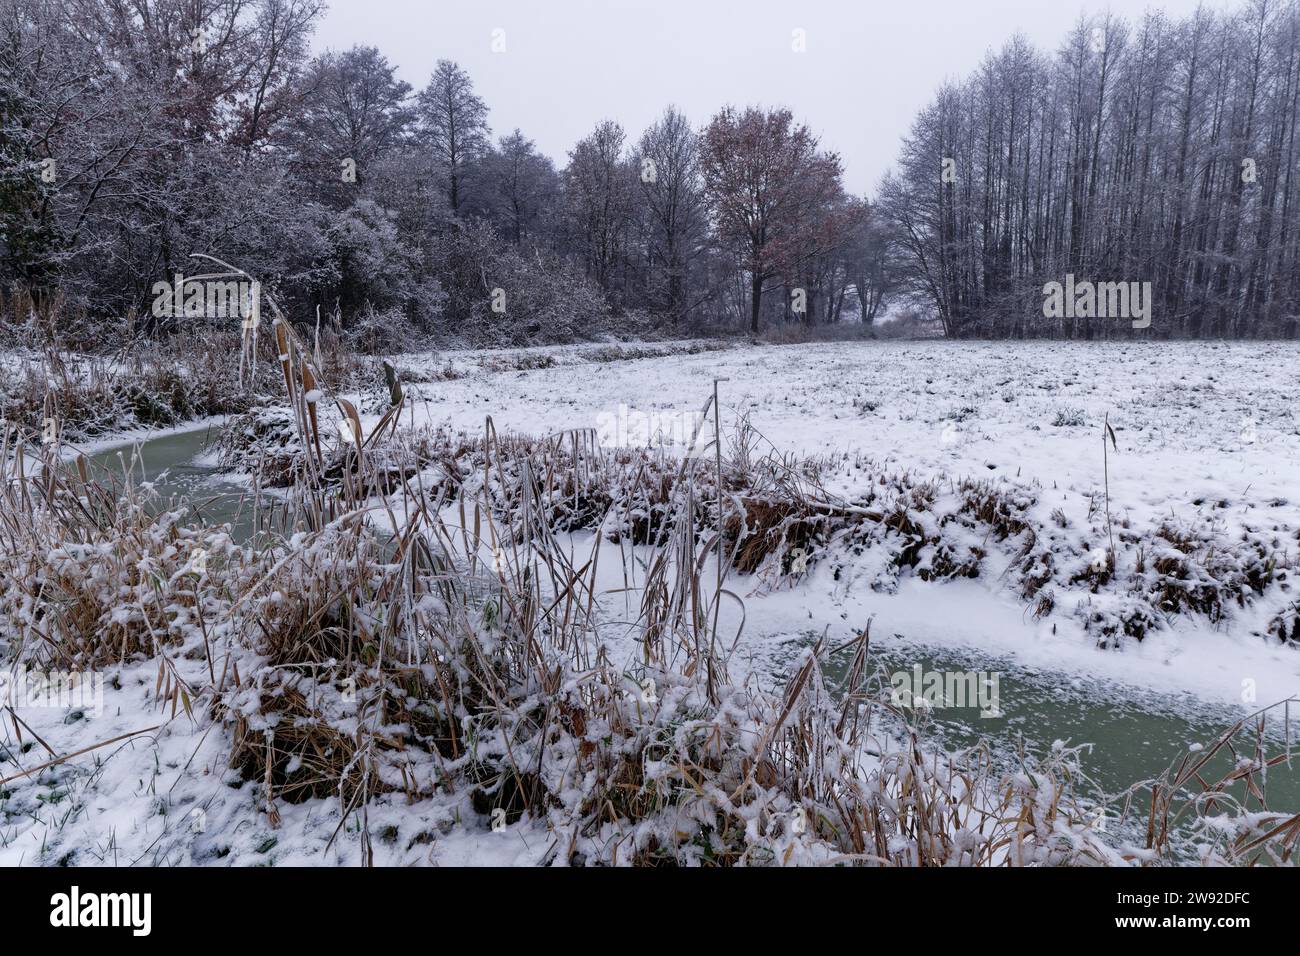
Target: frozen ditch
1134,733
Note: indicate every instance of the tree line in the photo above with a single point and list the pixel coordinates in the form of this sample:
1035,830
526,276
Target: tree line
136,134
1160,151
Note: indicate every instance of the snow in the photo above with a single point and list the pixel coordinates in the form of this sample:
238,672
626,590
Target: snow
1177,410
1028,415
1173,405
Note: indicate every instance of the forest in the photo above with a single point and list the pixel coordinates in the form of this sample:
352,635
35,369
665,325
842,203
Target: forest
137,135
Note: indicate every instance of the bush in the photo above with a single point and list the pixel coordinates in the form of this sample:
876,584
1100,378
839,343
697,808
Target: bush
376,332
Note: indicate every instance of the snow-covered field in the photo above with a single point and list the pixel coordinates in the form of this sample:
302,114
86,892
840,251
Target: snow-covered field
1207,434
1193,420
1207,437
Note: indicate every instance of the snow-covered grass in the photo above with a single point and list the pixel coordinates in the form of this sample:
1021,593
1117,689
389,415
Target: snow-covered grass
93,399
1200,485
261,703
514,645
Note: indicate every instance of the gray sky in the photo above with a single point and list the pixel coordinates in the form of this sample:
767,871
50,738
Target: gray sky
868,66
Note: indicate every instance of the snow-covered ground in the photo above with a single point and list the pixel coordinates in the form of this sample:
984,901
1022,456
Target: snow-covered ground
1194,421
1205,433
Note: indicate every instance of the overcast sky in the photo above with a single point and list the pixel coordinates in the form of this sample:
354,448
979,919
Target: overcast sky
567,64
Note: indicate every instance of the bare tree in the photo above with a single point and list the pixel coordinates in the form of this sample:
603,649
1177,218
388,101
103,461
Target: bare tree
352,111
667,162
598,190
453,121
766,182
521,189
